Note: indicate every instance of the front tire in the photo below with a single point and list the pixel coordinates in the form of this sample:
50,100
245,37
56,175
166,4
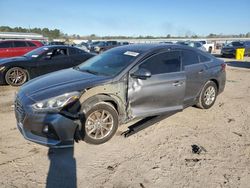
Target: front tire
101,123
16,76
208,95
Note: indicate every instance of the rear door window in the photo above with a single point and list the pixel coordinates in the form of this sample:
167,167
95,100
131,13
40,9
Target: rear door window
75,51
59,52
20,44
162,63
189,57
203,58
6,44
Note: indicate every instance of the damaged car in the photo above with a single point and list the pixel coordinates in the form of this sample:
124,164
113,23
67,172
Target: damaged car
89,102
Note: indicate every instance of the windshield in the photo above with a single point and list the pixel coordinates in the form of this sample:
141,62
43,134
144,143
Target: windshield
37,52
108,64
191,44
235,44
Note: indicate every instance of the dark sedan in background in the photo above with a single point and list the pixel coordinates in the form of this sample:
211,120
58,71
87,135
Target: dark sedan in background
16,71
105,45
230,48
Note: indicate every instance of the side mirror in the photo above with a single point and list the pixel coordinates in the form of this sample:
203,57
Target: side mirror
141,73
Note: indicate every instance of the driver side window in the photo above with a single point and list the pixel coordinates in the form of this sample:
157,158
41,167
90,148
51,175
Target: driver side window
162,63
58,52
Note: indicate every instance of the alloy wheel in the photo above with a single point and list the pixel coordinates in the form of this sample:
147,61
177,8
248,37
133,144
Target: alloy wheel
16,77
209,95
99,124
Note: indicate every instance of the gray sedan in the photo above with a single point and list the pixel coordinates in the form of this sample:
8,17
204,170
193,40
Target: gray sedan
89,101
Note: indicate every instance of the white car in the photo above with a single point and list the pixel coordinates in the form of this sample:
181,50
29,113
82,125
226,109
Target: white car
208,45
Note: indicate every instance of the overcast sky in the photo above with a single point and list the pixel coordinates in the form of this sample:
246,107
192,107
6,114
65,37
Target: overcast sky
130,17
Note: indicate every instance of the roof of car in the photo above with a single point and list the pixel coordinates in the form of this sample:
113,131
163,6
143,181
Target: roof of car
142,48
58,46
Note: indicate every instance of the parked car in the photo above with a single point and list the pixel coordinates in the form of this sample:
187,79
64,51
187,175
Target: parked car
91,45
208,45
89,101
166,42
83,46
16,71
123,43
56,43
103,46
194,44
230,48
13,48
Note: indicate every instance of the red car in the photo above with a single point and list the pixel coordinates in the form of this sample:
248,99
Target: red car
12,48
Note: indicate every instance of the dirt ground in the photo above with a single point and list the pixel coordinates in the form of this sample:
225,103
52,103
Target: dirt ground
158,156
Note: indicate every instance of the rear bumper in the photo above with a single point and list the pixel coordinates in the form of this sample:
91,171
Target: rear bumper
222,82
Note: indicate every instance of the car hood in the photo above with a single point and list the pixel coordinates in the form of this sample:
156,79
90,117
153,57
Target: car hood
60,82
13,59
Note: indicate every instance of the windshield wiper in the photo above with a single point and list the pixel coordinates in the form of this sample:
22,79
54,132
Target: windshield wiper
89,71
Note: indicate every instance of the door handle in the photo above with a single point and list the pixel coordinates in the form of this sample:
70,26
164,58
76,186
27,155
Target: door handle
177,83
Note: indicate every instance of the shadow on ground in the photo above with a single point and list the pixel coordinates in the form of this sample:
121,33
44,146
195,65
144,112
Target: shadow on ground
62,170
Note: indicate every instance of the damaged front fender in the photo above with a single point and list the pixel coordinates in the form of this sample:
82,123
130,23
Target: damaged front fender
115,93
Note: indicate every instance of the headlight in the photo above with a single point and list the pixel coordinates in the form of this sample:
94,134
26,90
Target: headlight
56,103
2,68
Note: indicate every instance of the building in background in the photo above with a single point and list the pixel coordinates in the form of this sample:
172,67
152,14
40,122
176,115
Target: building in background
19,35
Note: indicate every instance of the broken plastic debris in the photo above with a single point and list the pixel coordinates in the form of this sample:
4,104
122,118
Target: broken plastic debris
197,149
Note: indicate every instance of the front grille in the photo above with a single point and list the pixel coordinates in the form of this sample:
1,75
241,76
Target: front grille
19,111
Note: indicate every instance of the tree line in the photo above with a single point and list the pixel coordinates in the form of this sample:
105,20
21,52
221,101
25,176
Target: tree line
50,33
56,33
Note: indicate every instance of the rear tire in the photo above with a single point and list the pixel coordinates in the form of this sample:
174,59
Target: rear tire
101,123
16,76
208,95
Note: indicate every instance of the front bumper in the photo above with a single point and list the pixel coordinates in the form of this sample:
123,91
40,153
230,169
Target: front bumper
228,52
61,130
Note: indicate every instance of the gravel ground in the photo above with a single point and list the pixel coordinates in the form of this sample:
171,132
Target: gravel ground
158,156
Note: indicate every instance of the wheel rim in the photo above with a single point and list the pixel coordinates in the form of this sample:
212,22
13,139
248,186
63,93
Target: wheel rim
99,124
16,77
209,95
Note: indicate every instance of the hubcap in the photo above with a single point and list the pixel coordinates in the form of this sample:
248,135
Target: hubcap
99,124
16,77
209,95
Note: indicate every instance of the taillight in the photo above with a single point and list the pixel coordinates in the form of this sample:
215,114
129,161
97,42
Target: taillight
223,66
